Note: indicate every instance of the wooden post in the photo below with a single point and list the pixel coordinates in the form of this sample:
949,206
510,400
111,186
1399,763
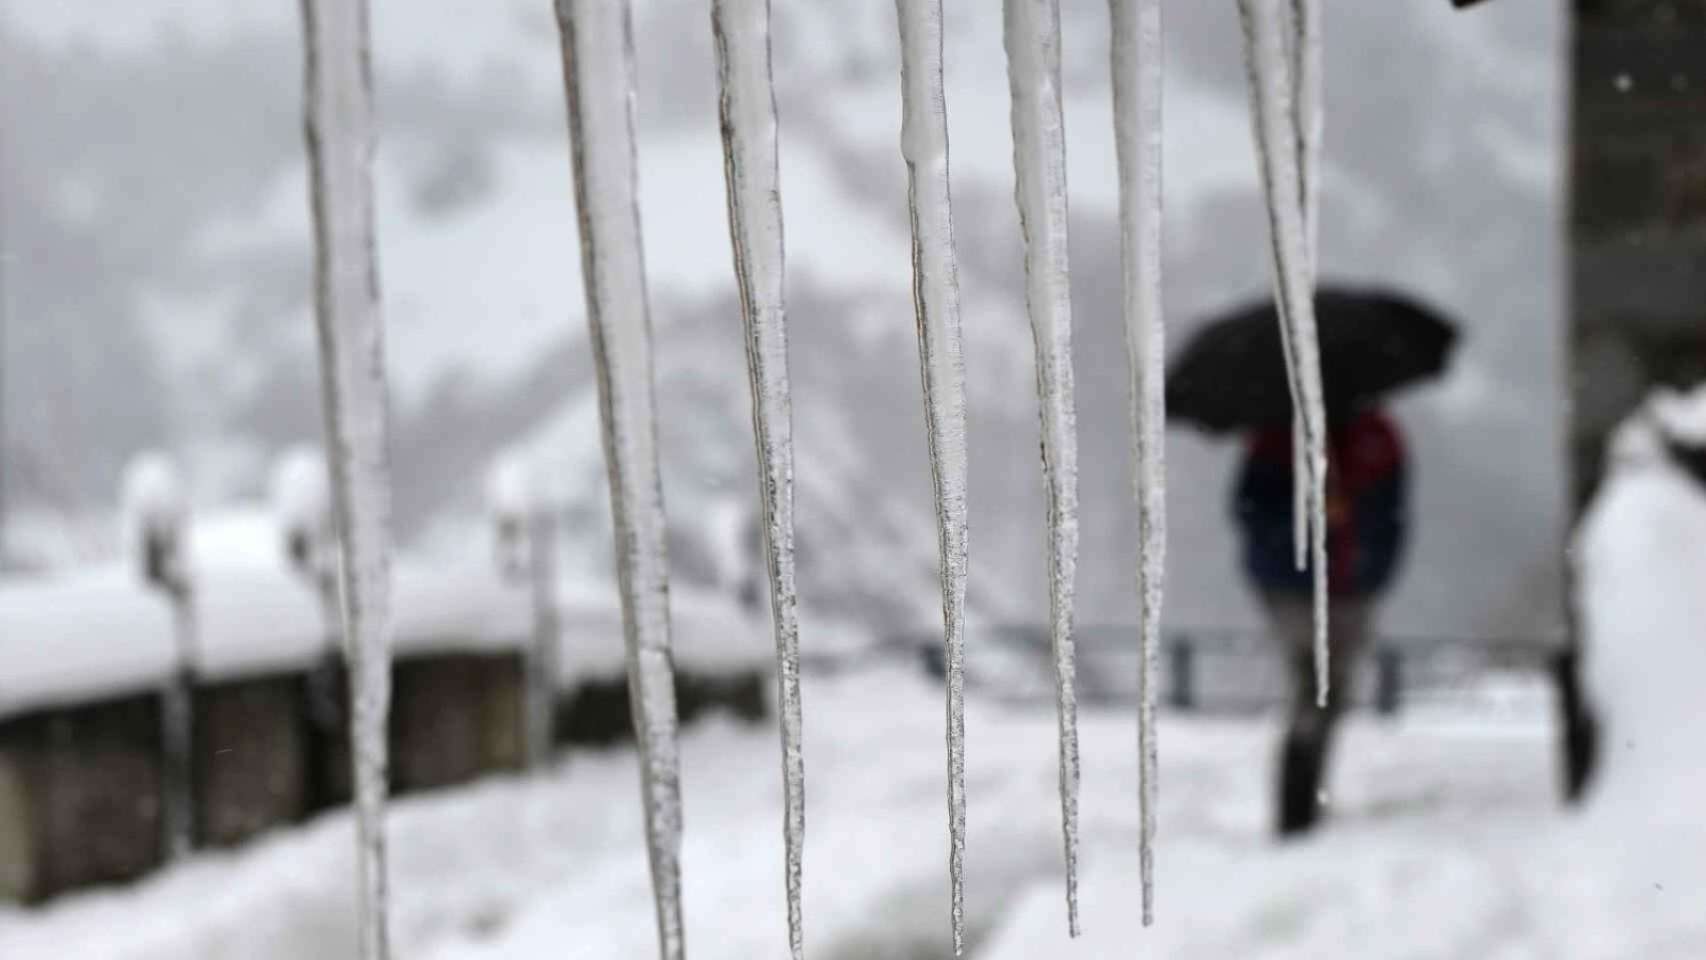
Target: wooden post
1388,681
156,517
1181,669
542,660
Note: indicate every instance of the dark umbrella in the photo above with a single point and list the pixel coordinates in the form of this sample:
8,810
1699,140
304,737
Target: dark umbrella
1231,375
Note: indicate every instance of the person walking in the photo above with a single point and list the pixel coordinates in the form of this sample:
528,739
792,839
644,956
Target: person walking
1367,489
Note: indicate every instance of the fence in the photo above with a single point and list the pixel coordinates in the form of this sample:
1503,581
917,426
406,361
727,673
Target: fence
1238,670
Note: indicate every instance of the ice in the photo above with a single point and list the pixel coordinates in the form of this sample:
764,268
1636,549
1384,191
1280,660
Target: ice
936,296
340,137
1274,119
1137,61
1039,163
598,72
1307,120
747,107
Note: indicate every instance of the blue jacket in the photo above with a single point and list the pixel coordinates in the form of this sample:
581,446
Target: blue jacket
1367,492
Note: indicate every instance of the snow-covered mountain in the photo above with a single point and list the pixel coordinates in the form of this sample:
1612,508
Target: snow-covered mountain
158,289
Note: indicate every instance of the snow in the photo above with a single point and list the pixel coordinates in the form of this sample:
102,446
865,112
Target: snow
711,634
100,633
460,608
1641,561
936,296
1445,841
153,496
510,487
741,29
254,620
300,491
1136,57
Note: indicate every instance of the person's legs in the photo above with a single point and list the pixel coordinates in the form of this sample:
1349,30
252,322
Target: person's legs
1309,732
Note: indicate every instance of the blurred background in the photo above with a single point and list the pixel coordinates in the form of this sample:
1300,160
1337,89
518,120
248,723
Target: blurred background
155,295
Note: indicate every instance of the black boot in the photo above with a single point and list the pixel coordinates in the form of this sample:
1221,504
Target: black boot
1301,763
1580,740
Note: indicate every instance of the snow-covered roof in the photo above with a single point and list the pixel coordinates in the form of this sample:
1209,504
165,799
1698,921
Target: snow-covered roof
254,619
709,632
101,632
93,635
441,608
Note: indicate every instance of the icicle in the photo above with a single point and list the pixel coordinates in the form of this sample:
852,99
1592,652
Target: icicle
340,136
1308,119
1137,60
1039,165
936,295
1307,116
741,29
598,71
1271,96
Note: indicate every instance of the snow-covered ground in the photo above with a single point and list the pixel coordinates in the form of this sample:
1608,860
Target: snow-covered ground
1446,841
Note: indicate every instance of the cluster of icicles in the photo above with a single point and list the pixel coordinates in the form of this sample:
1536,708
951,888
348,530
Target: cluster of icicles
1283,53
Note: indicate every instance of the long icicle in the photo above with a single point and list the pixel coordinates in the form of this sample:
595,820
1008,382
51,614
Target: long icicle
1137,61
598,70
1039,166
340,133
1307,119
747,106
936,297
1271,96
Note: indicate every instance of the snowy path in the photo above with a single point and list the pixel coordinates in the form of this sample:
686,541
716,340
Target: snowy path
1446,843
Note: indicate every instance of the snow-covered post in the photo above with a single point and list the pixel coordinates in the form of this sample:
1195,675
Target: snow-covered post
598,77
302,504
156,520
526,534
340,134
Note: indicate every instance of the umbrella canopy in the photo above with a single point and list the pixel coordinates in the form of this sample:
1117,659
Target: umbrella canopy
1231,375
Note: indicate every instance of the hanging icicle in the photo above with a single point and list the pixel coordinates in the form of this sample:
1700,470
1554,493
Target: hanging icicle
340,136
936,296
747,107
1272,94
1039,166
598,71
1137,61
1307,120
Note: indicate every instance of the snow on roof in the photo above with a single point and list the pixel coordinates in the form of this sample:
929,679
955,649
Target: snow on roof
254,619
439,608
93,635
709,632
